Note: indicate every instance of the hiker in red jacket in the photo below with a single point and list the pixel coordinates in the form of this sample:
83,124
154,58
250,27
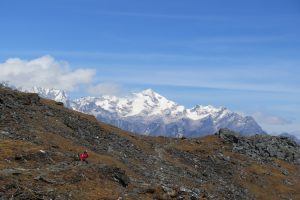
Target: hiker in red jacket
83,156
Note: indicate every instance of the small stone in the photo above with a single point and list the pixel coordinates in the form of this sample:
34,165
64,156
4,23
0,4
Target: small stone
5,133
42,151
285,172
287,182
59,103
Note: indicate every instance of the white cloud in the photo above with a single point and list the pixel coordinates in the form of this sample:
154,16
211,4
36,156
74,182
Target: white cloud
241,113
265,118
105,88
227,78
45,72
296,133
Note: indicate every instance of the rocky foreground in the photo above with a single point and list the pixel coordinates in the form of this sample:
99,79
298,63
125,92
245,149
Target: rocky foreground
39,141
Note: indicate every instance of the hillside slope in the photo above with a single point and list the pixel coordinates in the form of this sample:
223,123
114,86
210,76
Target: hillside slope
39,140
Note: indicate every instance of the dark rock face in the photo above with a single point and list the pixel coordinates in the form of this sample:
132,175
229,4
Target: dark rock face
60,103
228,135
115,173
263,147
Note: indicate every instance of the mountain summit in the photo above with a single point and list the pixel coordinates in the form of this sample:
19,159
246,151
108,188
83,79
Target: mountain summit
149,113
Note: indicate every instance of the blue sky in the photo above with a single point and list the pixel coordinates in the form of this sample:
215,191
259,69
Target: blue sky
244,55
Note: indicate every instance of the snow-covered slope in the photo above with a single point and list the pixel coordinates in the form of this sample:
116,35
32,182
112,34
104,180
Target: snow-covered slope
48,93
146,103
54,94
149,113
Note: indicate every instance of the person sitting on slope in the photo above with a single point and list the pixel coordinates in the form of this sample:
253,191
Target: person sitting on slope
83,156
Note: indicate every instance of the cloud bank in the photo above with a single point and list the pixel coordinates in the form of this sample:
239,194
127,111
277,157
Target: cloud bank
266,118
105,88
45,72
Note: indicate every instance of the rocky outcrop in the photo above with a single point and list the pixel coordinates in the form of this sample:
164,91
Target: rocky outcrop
263,147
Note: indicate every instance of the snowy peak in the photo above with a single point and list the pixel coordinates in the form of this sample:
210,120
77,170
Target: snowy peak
151,103
145,103
54,94
152,99
208,109
48,93
199,112
148,92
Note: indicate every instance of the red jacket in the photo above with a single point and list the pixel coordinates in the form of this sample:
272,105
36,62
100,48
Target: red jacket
83,156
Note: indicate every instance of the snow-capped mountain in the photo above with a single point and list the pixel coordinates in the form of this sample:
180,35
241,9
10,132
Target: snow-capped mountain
54,94
48,93
149,113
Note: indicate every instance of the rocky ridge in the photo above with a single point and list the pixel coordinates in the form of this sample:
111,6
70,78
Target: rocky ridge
263,147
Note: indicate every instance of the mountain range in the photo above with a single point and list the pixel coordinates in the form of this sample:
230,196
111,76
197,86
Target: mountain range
149,113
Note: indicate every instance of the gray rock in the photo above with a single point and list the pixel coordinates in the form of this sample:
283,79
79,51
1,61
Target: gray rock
263,147
285,172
